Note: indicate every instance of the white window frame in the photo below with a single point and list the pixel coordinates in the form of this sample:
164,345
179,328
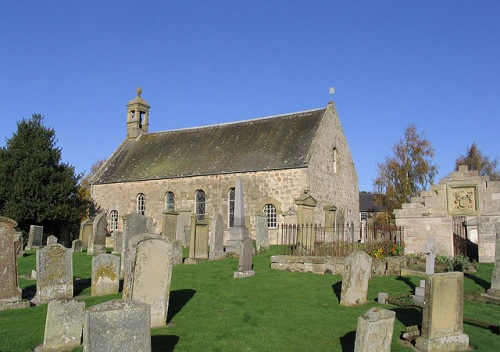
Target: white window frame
141,204
270,211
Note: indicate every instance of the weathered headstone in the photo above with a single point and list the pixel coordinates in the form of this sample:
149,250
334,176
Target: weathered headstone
217,239
54,270
382,297
357,270
419,295
117,326
51,240
176,254
97,240
430,255
374,331
198,243
85,233
245,266
148,274
442,318
10,293
35,237
77,246
134,224
118,242
105,275
261,233
63,325
239,230
494,290
18,244
169,228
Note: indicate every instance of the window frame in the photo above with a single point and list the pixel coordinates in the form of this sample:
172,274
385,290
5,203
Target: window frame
169,201
200,201
140,204
270,211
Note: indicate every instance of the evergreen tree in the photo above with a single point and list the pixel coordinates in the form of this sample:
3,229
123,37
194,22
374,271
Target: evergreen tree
475,160
35,186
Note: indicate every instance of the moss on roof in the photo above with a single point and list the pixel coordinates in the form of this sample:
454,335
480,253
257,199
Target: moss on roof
271,143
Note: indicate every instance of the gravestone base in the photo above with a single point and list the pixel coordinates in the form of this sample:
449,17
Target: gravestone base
11,305
459,342
190,261
492,293
243,274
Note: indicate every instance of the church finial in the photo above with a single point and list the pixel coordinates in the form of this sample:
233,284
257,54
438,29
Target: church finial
139,91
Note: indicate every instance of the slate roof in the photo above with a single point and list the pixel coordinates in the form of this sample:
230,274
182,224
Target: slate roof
367,203
272,143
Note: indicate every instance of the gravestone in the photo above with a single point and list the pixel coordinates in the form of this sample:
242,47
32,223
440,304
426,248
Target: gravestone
18,244
357,270
63,325
494,290
117,326
169,228
198,243
238,231
117,242
51,240
442,318
382,297
430,255
54,273
105,275
85,232
134,224
374,331
97,240
77,246
35,237
148,274
176,253
261,233
10,293
245,265
217,239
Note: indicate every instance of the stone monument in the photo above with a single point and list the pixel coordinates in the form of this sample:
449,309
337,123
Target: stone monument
35,237
357,270
261,233
217,239
63,325
494,291
239,231
97,240
374,332
245,266
105,275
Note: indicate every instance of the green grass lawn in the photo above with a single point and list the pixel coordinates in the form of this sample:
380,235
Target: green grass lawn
273,311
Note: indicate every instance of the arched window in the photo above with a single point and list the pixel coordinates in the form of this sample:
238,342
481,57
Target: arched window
141,203
270,211
200,204
113,220
169,201
230,206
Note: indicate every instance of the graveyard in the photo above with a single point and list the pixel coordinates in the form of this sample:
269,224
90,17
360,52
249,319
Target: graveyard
272,310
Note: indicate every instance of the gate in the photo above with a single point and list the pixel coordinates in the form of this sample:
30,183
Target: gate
459,235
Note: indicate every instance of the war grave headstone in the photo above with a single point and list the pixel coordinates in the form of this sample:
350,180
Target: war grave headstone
261,233
105,275
217,239
239,230
198,243
374,331
245,266
63,325
133,224
148,274
357,270
494,290
51,240
442,318
97,240
117,326
35,237
430,260
10,293
118,242
86,228
77,246
54,273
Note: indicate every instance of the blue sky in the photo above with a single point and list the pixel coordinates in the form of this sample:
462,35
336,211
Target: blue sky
432,63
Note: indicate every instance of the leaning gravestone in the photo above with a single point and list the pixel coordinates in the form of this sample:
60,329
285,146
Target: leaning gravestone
97,240
261,233
134,224
117,326
85,233
148,274
77,246
35,237
105,275
494,290
63,325
54,273
245,263
442,318
357,270
217,239
374,332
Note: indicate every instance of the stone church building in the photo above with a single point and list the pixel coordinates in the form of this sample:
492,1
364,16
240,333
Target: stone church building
286,162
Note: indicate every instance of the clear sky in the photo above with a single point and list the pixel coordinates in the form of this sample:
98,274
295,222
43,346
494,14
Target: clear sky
432,63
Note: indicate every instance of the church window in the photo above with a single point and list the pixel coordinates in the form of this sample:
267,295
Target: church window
230,206
141,204
363,216
169,201
335,157
200,204
270,211
113,220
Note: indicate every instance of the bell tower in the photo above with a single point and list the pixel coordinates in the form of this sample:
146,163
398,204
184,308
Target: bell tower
137,116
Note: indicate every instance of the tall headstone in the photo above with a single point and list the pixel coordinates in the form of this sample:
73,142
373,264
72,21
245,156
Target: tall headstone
148,274
105,275
117,326
217,239
86,228
117,242
134,224
54,273
238,231
357,270
63,325
97,240
374,331
442,318
18,244
198,244
494,291
245,266
261,233
35,237
430,255
169,228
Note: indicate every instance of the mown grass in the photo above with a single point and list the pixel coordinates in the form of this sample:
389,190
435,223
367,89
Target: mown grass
273,311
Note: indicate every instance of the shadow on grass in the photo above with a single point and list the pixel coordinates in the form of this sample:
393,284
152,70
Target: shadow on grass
407,281
163,343
347,341
483,283
178,299
79,285
408,316
337,289
29,292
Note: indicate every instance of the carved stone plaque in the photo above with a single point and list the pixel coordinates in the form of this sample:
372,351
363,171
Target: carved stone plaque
462,200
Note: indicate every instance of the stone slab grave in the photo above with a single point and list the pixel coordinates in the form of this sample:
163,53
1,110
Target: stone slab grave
148,274
217,239
261,233
117,326
63,325
442,318
375,330
35,237
105,275
494,290
10,293
85,233
357,271
245,266
97,240
54,273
